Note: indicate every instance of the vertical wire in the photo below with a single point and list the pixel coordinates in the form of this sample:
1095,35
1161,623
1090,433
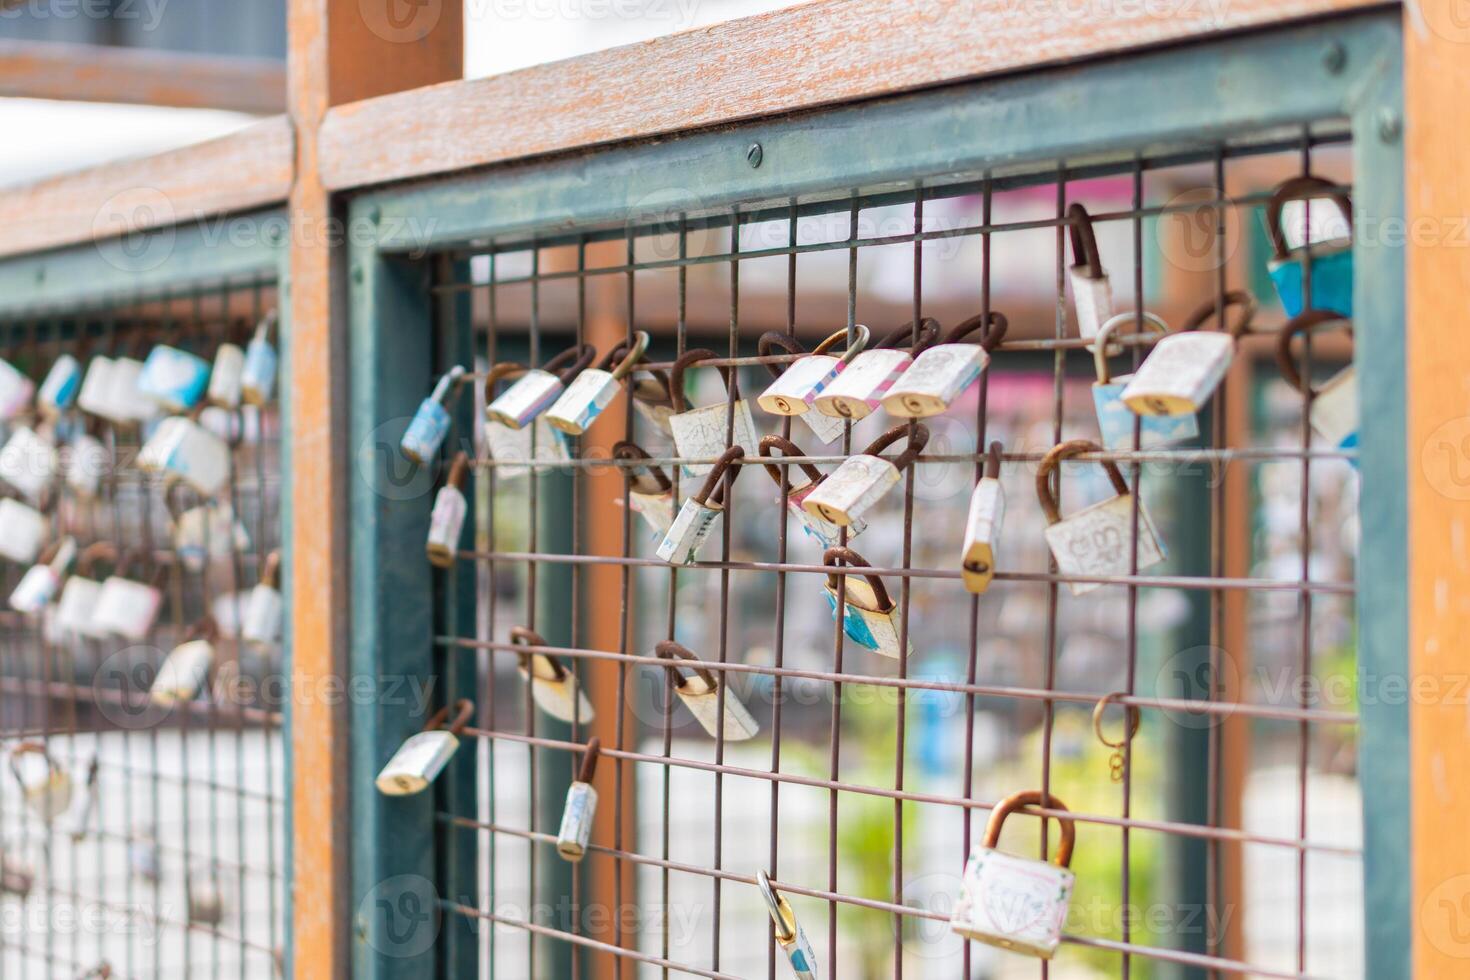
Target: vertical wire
534,530
578,475
487,746
1305,596
625,581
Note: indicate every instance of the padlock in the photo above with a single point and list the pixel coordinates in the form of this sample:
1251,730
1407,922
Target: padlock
59,391
700,514
94,398
420,759
1332,263
824,532
982,526
513,449
701,694
174,378
46,787
1181,373
227,377
145,859
650,491
446,521
261,625
126,402
22,529
1334,406
186,668
41,584
203,533
29,463
258,376
700,433
790,936
85,461
797,387
1114,419
102,971
864,383
870,617
595,388
1092,293
581,807
206,898
81,819
76,610
539,388
1095,541
431,422
651,399
15,391
126,606
1016,903
183,449
941,374
554,688
861,481
17,875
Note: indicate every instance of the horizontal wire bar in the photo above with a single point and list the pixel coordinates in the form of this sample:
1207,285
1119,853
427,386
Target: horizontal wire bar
62,691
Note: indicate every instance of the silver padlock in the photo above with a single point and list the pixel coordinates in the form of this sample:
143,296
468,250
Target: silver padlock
1095,541
941,374
125,606
701,694
22,530
446,521
554,688
46,787
982,526
1115,420
824,532
1016,903
539,388
1332,263
206,898
227,377
85,461
29,463
853,488
581,807
185,670
797,387
790,936
258,376
701,433
1334,406
16,391
205,532
76,610
59,391
513,449
261,626
870,617
128,404
1092,293
81,821
431,422
650,391
94,398
183,449
861,387
650,491
594,389
700,514
1181,373
420,759
174,378
41,584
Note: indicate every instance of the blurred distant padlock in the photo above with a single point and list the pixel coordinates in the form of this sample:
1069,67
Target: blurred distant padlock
705,433
790,936
581,807
420,759
206,897
1016,903
982,526
145,858
261,626
701,513
431,422
15,391
183,449
85,461
258,376
184,671
1181,373
59,391
127,402
95,395
1332,262
539,388
1097,540
650,491
1334,406
45,785
1114,419
701,693
227,377
76,610
870,617
41,584
22,529
798,385
824,532
554,688
1092,293
941,374
206,532
81,819
446,521
128,607
29,463
102,971
17,875
853,488
174,378
595,388
861,387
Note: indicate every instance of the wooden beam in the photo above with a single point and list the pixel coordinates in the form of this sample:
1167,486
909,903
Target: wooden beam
138,76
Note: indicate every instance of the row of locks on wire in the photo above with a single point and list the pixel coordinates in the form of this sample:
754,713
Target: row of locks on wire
60,456
913,373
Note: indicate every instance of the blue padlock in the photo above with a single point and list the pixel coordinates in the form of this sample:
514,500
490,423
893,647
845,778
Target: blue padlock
59,391
258,376
431,422
1114,419
173,378
1332,263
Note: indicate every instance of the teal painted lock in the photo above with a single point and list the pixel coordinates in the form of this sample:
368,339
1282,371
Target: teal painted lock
869,614
1331,263
174,378
1334,406
258,376
431,422
790,936
59,391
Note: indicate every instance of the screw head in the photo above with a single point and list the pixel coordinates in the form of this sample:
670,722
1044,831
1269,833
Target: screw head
1390,126
1334,57
755,154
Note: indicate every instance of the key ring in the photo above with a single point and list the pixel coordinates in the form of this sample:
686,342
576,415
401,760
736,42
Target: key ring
1133,715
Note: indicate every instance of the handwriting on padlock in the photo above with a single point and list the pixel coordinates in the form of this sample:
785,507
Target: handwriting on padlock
538,388
861,481
701,692
701,513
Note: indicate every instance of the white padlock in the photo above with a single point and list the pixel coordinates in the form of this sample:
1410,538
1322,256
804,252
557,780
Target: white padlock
701,433
514,449
797,387
261,626
943,373
1181,373
554,688
650,391
594,389
650,491
185,670
861,387
59,391
17,875
853,488
870,617
423,756
81,820
825,533
45,785
203,533
983,525
1092,293
539,388
76,610
1016,903
125,606
1095,541
701,694
258,376
84,462
580,809
1334,406
446,521
701,513
1115,420
97,389
227,377
174,378
22,530
183,449
16,391
29,463
127,402
41,584
206,897
790,936
430,424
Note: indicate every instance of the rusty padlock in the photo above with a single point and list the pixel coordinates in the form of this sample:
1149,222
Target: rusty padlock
825,532
701,695
595,388
1016,903
266,608
554,688
1114,419
1181,373
22,530
1332,263
700,514
861,387
258,376
699,433
76,610
46,787
1334,406
186,668
16,391
539,388
1092,292
943,373
446,521
128,607
41,584
581,807
29,463
797,386
206,532
183,449
174,378
423,756
650,491
1095,541
861,481
790,936
982,526
431,422
869,615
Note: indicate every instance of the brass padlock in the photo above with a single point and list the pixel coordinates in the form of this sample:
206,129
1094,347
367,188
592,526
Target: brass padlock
1092,292
186,668
76,610
29,463
431,422
554,688
1332,263
59,391
41,584
15,391
870,617
261,625
446,521
1114,419
701,695
423,756
790,936
581,807
941,374
650,491
45,785
700,514
1095,541
81,821
595,388
1012,902
539,388
174,378
1181,373
825,532
183,449
700,433
798,385
258,376
1334,406
861,481
863,384
128,607
982,526
22,531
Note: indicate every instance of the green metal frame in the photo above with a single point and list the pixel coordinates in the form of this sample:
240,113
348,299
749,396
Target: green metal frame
1345,71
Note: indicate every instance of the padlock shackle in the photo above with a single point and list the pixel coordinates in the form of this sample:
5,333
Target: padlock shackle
902,337
670,650
1084,241
918,438
270,569
459,470
1239,298
50,553
992,461
631,451
503,371
772,339
138,557
687,360
835,557
788,448
1302,323
446,383
266,324
994,323
1100,352
571,362
1030,798
624,357
525,636
860,337
93,553
1130,712
781,914
204,629
464,710
1052,459
654,391
589,760
712,494
1304,188
32,748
